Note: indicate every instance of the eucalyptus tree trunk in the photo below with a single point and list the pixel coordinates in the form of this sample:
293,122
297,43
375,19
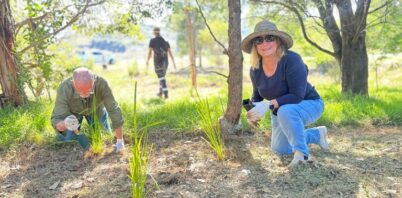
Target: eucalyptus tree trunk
354,61
233,110
8,67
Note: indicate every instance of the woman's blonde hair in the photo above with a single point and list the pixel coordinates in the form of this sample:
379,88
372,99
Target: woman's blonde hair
255,57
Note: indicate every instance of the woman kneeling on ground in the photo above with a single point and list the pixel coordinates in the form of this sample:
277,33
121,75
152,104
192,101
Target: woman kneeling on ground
279,79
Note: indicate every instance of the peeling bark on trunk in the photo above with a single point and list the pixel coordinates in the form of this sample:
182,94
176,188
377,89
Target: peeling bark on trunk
8,66
232,114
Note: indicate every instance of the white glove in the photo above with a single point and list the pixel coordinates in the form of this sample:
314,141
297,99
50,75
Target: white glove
71,123
119,145
258,111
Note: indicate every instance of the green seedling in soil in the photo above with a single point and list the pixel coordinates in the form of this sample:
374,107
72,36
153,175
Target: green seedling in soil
95,131
210,128
140,154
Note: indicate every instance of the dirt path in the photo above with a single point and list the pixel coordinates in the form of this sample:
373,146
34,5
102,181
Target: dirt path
364,162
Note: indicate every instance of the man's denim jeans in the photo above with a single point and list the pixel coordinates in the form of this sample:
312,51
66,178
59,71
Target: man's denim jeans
82,139
288,132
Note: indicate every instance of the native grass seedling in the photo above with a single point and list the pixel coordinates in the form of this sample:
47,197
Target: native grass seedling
140,154
210,127
95,130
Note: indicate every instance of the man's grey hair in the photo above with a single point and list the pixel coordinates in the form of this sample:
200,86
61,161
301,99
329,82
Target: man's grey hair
83,75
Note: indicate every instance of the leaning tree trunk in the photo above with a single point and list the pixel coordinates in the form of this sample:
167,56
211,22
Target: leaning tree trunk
8,66
232,114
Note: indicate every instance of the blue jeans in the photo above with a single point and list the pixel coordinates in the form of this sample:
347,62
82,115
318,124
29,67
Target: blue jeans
82,139
288,132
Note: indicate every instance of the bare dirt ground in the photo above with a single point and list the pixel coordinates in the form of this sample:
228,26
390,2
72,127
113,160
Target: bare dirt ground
362,162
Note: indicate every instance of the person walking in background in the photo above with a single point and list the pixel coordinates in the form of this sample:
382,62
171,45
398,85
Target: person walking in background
74,101
279,79
160,49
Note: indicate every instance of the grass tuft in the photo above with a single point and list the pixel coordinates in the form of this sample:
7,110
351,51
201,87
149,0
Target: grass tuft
95,130
210,127
140,154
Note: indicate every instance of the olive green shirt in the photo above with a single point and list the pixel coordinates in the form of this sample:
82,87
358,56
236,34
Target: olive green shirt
68,102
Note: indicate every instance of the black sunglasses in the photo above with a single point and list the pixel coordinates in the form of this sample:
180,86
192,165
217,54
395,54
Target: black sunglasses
268,38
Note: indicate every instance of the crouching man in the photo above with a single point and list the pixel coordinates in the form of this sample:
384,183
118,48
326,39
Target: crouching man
74,101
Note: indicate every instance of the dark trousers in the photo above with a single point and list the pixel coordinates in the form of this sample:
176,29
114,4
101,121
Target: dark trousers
160,70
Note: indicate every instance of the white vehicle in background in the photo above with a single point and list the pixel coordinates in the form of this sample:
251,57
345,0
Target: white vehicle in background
97,57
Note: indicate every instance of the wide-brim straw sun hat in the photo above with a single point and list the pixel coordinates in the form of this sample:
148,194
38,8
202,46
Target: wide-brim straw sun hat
264,28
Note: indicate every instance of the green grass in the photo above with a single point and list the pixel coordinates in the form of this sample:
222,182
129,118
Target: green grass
31,122
95,131
178,116
210,126
382,107
140,154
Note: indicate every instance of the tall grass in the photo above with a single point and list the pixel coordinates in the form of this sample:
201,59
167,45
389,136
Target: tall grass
210,127
141,154
95,130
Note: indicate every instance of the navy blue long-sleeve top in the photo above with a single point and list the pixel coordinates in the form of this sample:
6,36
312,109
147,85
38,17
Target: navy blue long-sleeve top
288,85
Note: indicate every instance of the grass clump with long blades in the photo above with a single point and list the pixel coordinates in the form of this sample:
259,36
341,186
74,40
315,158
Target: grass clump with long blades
141,154
210,127
95,131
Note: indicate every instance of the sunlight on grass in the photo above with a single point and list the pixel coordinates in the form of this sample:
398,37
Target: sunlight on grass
31,122
380,108
178,116
26,123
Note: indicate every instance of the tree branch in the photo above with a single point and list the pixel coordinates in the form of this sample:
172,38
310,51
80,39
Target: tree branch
30,65
300,18
325,10
314,19
215,72
72,20
361,12
380,7
28,21
374,23
225,51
